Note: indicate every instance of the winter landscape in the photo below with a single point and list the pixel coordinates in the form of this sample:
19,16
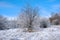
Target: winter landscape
29,20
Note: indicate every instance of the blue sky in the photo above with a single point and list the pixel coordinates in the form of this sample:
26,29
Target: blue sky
12,8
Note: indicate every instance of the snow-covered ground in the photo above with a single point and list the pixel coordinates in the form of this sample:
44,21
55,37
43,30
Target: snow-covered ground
51,33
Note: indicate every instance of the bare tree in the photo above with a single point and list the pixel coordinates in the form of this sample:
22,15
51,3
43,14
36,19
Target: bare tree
28,16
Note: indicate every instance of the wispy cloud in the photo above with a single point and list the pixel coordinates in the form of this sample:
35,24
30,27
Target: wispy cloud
44,12
51,0
56,7
6,5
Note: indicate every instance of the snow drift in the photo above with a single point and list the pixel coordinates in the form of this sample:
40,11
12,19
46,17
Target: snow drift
52,33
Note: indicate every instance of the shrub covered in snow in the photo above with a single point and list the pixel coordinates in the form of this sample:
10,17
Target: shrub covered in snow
44,23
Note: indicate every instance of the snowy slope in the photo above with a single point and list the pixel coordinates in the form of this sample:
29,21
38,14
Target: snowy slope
52,33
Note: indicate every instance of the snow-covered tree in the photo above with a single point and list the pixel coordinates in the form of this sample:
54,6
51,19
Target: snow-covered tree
55,19
27,17
2,22
12,24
